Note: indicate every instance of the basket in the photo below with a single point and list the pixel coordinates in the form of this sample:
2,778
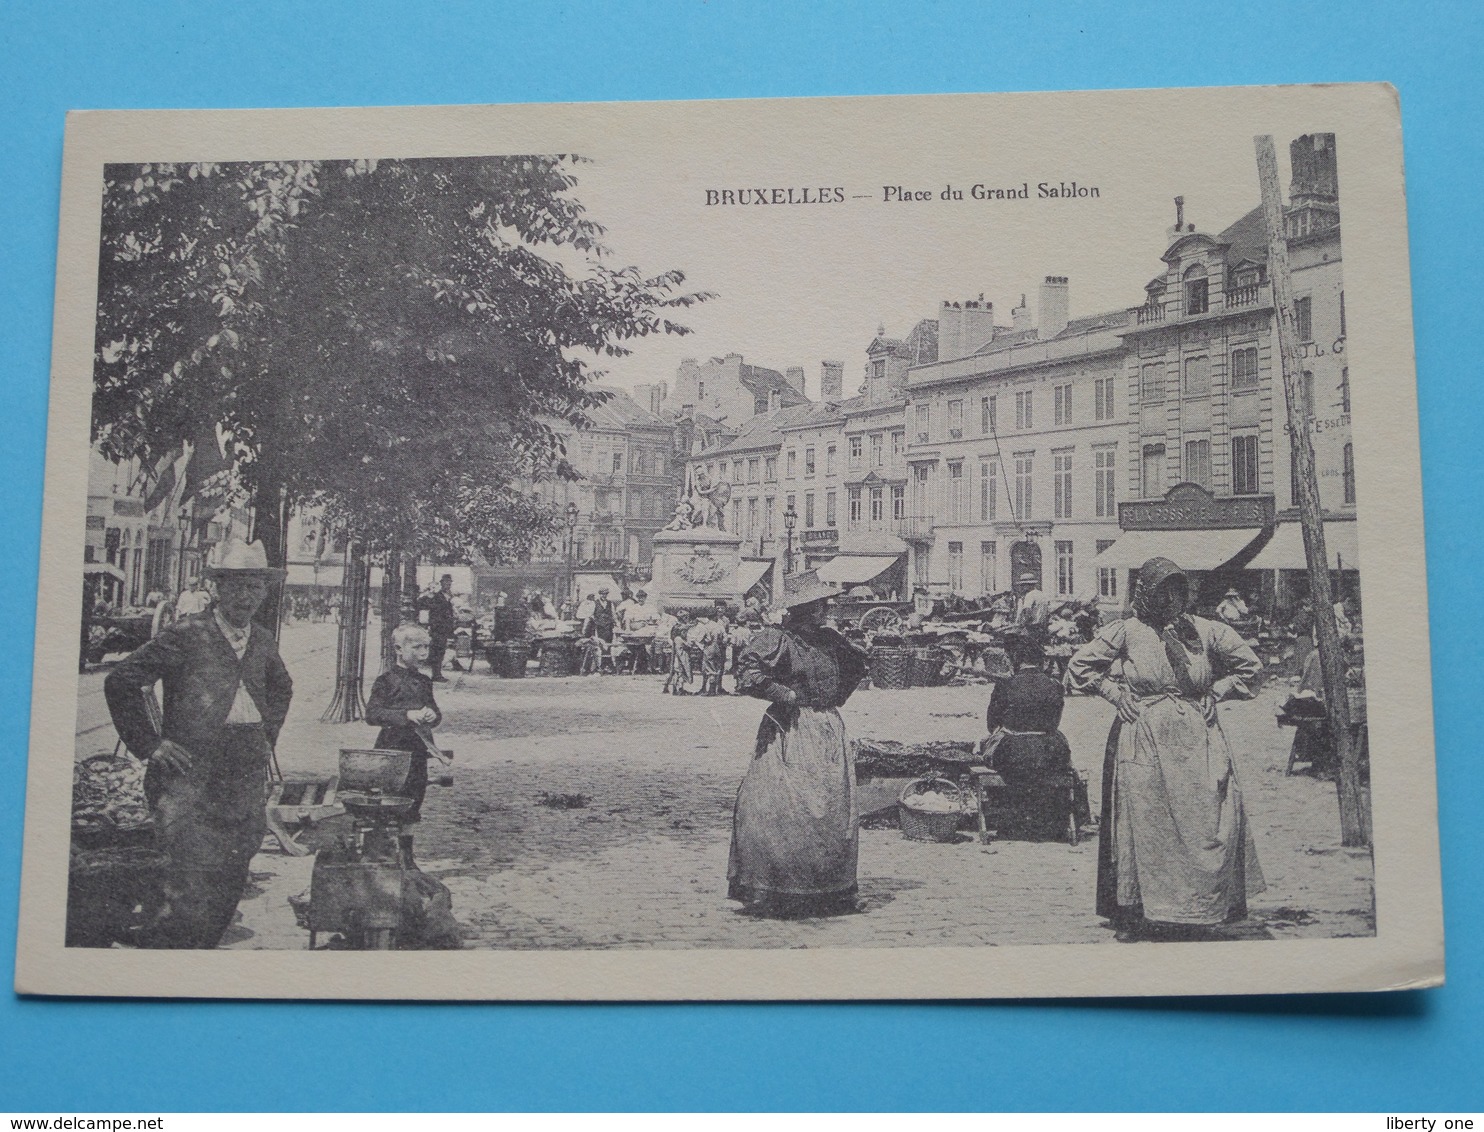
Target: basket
559,656
890,667
925,668
930,825
367,770
508,658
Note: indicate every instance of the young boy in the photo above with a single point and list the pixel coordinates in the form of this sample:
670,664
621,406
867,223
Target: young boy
401,699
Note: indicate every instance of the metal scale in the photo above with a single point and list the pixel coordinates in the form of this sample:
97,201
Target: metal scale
360,882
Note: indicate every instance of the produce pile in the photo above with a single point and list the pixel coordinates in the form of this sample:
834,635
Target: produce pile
936,801
108,795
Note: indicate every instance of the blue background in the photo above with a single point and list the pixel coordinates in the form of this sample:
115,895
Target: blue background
1364,1052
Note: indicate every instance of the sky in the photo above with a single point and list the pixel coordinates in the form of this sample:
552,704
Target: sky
797,284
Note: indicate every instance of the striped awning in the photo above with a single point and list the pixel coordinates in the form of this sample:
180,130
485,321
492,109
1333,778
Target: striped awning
1189,550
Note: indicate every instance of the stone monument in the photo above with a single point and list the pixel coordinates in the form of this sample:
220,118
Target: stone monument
696,566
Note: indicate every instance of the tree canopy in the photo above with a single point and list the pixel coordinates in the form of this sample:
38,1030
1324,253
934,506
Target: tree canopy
389,340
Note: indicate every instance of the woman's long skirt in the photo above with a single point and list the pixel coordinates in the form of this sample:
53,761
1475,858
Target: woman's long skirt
794,832
1175,845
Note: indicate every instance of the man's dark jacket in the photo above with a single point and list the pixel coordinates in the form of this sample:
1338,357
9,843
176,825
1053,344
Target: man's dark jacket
441,618
201,671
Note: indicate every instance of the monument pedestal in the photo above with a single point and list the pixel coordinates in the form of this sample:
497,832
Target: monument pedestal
693,568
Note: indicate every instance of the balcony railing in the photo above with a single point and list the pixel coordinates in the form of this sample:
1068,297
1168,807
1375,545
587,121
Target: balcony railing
1236,298
1244,296
914,528
1149,312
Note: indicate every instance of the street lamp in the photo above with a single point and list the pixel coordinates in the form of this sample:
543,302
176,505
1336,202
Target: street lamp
572,514
790,521
183,524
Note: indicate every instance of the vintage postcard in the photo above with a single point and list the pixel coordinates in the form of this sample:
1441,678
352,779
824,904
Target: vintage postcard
936,547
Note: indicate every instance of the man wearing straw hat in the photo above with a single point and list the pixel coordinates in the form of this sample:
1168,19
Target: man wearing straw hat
226,695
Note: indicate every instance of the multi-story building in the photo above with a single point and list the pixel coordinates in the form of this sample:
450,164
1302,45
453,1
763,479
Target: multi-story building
1210,455
727,389
1012,450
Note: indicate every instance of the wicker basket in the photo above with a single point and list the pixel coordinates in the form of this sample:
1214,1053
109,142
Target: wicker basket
508,658
890,668
558,656
926,667
930,825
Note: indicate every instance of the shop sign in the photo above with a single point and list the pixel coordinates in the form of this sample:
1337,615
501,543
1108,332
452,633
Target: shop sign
1188,506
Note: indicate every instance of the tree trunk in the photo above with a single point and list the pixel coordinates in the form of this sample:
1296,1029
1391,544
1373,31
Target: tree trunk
391,605
269,522
350,651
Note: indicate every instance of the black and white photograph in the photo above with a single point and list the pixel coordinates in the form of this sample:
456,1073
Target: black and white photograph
869,548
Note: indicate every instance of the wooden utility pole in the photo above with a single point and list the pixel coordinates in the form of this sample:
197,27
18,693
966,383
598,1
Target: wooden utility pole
1353,824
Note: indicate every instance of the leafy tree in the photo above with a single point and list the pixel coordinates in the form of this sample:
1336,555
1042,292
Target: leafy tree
390,340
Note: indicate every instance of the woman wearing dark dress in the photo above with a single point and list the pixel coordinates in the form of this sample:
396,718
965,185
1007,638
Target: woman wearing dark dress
794,832
1026,747
401,702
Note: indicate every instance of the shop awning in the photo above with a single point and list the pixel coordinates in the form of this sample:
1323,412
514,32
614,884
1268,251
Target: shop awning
1190,550
853,569
102,568
1285,550
750,574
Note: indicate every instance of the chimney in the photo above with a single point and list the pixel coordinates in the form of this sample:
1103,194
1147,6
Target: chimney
1055,295
831,380
795,375
1316,171
1020,317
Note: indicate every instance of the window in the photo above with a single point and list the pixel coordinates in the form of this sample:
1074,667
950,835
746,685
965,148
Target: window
921,488
1024,466
1153,478
752,467
986,490
643,463
768,509
876,458
855,451
1064,567
736,471
956,567
1024,417
853,503
1102,399
1349,473
989,581
1244,369
1198,462
920,567
898,502
617,462
1105,480
736,516
659,463
878,367
1152,383
1303,318
808,510
809,461
924,423
1061,482
829,508
775,400
876,504
1062,407
1306,391
956,420
770,469
1244,464
829,460
752,527
1107,575
986,416
1198,376
1197,288
790,463
956,491
898,442
1345,390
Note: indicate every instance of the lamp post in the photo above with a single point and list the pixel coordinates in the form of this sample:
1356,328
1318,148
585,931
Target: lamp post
572,514
790,520
183,525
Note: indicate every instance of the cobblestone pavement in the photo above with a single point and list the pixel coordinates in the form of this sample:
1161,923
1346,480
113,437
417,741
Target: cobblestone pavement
640,859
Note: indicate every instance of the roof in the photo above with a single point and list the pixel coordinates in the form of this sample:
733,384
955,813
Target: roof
1087,324
621,411
1248,238
764,430
758,379
822,414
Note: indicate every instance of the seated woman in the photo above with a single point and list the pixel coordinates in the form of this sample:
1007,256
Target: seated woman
401,700
1028,751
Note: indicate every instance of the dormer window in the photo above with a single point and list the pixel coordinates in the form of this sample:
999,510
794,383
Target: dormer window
1246,277
1196,291
878,368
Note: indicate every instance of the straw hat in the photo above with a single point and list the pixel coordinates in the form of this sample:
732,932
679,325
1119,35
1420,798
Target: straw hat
802,589
233,556
1233,592
1034,579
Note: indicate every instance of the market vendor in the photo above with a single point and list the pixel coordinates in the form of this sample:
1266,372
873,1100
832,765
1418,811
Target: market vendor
402,705
206,779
